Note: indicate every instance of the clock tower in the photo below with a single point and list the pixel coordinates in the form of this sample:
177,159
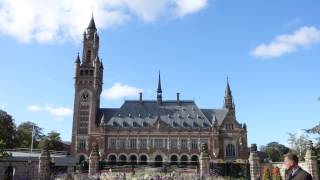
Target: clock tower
88,82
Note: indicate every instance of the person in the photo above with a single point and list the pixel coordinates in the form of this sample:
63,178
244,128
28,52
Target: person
295,172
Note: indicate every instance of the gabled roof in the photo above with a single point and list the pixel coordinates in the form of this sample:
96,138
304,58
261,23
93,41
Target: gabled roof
135,114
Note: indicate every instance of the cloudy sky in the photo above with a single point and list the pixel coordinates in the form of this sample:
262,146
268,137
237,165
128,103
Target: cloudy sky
269,49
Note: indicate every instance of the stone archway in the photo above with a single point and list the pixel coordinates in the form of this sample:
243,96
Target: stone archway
112,160
174,160
133,160
194,160
158,161
184,160
143,160
122,160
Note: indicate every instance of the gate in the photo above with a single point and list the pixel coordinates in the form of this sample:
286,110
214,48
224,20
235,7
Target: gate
230,169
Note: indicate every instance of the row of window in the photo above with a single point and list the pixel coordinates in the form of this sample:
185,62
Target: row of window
150,116
146,124
229,125
156,143
86,72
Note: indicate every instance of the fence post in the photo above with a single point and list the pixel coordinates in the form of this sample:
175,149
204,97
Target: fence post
311,161
254,161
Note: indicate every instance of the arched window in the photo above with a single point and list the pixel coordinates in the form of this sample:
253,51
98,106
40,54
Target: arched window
230,150
88,56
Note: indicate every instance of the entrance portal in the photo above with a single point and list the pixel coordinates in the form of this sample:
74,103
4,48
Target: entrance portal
158,161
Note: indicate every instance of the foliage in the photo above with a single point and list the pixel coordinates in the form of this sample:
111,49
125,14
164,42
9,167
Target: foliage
276,173
24,133
7,133
314,130
298,144
274,151
54,141
2,152
266,173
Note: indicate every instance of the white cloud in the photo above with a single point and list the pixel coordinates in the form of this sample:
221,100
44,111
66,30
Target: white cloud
58,112
189,6
119,90
34,108
48,20
284,44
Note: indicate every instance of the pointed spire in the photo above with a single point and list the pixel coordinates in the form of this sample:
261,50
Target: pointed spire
92,24
102,121
159,84
159,91
228,90
228,100
78,59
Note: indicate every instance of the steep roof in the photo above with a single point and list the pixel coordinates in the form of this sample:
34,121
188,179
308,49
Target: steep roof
136,114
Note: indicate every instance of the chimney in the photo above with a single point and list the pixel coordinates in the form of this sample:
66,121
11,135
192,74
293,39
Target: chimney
140,97
178,98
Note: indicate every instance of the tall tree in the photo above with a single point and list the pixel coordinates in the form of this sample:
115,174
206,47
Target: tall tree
54,141
24,133
8,129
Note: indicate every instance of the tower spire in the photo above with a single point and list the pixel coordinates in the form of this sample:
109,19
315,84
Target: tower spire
228,99
159,90
92,24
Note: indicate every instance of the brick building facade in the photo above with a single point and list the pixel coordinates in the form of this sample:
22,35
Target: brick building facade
148,130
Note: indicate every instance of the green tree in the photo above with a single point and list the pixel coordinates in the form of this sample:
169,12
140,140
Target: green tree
2,152
24,132
54,141
274,151
8,130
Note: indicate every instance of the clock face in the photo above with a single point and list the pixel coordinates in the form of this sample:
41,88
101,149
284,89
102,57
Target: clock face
84,96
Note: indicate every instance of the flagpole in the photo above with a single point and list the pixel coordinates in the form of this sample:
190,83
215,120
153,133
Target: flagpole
32,134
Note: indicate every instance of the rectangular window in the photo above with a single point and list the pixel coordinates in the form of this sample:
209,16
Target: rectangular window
122,143
158,143
143,144
82,144
184,143
133,143
112,143
174,143
194,144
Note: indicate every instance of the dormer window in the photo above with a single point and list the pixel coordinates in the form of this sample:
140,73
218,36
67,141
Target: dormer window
135,124
115,124
145,124
175,124
125,124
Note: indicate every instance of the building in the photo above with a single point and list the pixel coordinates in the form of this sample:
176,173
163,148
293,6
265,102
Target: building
148,130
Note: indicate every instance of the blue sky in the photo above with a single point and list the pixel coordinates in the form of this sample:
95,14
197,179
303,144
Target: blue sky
269,49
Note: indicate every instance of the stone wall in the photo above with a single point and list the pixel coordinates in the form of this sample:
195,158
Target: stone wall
256,168
22,168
